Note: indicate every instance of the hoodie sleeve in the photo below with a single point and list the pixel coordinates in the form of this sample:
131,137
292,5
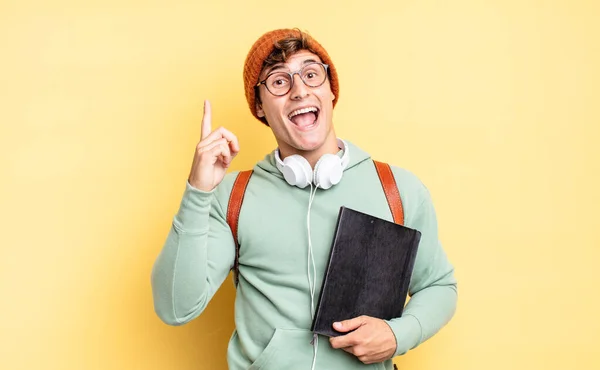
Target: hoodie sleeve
433,287
195,260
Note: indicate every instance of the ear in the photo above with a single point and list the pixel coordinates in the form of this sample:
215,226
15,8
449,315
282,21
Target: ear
259,111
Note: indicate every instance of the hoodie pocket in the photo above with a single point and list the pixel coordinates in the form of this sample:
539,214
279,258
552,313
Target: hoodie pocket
291,349
265,357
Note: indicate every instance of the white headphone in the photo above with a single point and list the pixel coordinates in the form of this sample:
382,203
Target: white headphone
328,171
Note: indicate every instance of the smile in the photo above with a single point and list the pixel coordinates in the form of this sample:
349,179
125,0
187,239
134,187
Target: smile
304,118
303,111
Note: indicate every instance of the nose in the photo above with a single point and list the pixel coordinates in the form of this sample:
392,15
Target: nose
299,89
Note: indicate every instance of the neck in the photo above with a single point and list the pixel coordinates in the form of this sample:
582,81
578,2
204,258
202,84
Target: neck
312,156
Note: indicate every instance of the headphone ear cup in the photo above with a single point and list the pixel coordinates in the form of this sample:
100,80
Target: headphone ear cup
328,171
296,171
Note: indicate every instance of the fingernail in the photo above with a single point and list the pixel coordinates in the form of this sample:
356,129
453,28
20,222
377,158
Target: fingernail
337,324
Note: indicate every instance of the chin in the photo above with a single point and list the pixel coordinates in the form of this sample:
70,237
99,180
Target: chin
310,143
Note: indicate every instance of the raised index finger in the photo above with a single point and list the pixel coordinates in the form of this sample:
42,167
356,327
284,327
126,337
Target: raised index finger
206,121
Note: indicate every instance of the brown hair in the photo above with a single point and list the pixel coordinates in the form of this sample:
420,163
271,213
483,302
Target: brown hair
285,48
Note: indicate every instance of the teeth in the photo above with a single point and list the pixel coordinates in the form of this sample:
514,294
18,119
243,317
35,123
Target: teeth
301,111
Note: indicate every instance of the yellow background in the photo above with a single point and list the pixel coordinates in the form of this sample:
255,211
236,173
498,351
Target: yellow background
494,105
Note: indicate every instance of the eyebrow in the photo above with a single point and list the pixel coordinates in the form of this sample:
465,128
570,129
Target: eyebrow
280,66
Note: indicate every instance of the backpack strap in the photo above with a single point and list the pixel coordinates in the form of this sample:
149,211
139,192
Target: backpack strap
233,214
236,197
391,191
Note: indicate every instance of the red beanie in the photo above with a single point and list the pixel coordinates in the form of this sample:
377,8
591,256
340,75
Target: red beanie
261,50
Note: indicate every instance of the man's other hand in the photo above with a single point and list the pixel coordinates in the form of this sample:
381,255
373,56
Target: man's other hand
371,341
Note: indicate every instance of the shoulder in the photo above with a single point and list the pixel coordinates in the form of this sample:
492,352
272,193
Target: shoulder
408,181
413,191
223,190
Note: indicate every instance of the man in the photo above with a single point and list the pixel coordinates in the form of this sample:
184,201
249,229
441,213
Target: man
286,226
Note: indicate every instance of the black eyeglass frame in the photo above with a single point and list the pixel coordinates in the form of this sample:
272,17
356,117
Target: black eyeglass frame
291,74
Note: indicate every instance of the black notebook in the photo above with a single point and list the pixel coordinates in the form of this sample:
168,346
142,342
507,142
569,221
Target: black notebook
369,270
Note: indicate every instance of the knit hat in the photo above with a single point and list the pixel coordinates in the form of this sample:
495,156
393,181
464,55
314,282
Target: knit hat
261,50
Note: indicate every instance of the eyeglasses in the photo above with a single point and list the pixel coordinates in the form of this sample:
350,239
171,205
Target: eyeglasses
280,83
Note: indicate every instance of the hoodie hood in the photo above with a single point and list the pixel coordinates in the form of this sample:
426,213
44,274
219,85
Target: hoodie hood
355,156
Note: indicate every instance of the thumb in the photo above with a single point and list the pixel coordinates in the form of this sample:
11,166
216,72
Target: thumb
349,325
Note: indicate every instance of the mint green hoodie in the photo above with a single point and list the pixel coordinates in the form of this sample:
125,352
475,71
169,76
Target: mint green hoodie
273,303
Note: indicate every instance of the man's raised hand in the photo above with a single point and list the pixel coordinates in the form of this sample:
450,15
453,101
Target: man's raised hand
213,154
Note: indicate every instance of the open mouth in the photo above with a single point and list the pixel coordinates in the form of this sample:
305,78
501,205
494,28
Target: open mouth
304,118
